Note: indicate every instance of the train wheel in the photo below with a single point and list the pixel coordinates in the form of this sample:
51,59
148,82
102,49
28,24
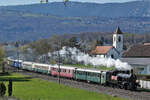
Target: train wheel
125,87
121,87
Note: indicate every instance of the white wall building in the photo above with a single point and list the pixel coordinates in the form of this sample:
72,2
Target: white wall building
140,65
114,51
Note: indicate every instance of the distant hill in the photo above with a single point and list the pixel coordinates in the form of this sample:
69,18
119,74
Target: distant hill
28,26
31,22
128,9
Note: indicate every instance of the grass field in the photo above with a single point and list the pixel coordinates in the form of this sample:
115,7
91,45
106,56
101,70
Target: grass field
26,88
90,66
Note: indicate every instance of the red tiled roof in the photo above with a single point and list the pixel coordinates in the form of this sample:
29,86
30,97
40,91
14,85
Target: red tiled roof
139,50
101,50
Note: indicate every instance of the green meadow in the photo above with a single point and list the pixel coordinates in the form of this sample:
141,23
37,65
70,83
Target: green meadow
27,88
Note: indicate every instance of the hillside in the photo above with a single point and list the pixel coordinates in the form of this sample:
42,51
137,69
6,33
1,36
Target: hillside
31,22
128,9
28,26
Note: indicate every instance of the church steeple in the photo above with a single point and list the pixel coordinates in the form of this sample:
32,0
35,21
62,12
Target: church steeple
118,40
118,31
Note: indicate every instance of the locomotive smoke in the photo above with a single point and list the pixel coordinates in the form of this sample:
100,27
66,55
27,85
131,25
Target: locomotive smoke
79,56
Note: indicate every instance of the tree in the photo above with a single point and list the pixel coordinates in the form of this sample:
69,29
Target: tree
2,55
2,89
41,46
72,42
124,47
57,42
99,43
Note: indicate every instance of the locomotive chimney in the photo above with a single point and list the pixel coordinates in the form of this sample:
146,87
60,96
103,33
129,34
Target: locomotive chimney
131,71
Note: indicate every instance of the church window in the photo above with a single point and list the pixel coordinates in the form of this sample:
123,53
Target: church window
119,39
112,56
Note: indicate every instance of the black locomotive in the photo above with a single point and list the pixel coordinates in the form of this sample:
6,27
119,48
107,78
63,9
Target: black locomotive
122,79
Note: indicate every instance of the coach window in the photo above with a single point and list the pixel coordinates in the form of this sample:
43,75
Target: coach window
98,75
64,70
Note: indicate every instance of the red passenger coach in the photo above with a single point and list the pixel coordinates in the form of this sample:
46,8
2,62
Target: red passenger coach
54,70
66,72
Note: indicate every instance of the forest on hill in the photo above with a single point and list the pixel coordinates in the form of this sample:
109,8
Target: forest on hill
27,26
37,21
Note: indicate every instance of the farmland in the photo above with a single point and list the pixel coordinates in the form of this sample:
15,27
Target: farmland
27,88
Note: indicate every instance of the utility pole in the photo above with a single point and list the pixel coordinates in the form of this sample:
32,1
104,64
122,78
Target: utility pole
59,66
3,67
10,88
58,48
17,46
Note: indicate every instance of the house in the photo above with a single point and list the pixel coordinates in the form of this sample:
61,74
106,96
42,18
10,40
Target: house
138,56
138,51
114,51
106,52
140,65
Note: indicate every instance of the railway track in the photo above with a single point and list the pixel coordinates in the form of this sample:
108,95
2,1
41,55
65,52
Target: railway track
131,95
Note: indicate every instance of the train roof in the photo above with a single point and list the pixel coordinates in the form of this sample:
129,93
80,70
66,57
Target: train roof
41,64
27,62
89,70
18,60
65,67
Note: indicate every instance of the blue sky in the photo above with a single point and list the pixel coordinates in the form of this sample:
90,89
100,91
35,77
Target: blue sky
21,2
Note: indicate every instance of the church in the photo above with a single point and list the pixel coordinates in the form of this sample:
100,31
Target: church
114,51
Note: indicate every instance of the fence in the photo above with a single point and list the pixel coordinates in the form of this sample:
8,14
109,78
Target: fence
145,84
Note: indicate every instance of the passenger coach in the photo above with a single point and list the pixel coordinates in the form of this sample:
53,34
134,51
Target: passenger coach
65,71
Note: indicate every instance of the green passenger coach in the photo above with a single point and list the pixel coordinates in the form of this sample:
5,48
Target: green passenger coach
93,76
80,74
87,75
28,66
42,68
103,78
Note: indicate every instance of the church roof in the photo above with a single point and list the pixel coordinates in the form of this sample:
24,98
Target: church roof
139,50
118,31
101,50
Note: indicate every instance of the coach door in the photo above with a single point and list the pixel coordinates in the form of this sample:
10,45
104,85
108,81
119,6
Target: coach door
103,78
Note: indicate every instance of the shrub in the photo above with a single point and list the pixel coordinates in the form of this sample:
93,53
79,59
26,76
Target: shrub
2,89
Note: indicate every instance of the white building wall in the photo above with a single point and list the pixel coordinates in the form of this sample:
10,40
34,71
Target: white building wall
142,69
148,69
145,84
103,56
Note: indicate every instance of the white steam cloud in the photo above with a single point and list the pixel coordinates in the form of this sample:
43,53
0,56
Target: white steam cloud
79,56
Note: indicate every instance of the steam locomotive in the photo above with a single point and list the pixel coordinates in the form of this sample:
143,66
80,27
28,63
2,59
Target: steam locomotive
116,78
122,79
